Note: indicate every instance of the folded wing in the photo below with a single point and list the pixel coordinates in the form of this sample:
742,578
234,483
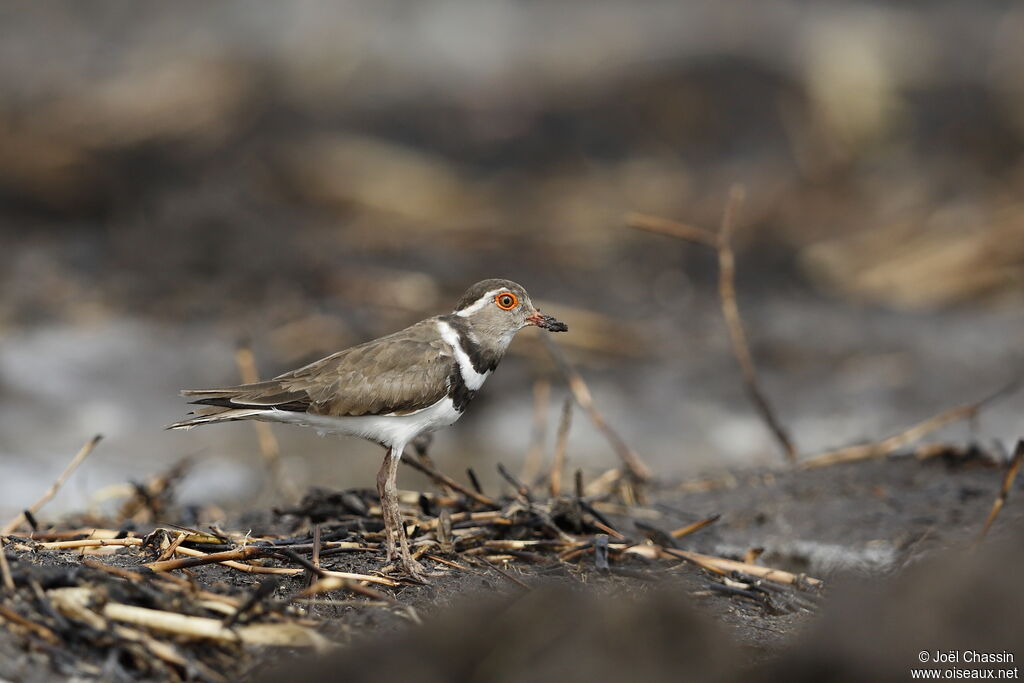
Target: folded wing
398,374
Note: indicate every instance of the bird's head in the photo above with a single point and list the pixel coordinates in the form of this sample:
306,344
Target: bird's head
500,308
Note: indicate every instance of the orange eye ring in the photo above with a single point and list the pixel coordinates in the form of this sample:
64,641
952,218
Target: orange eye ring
506,301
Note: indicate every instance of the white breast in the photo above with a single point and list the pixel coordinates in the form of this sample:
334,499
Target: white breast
390,430
473,379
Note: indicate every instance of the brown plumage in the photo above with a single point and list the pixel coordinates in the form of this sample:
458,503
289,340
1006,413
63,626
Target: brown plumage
389,390
394,375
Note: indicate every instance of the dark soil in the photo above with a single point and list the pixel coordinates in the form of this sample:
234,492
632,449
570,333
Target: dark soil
871,519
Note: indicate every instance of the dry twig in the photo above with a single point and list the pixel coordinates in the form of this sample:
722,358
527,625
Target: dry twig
692,528
885,447
535,455
664,226
1004,490
636,467
722,244
75,601
737,333
444,480
79,458
38,629
724,566
561,446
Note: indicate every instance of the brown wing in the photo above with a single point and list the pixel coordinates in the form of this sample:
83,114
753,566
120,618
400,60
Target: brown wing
400,373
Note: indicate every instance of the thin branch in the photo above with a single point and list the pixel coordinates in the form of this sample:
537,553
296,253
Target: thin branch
1004,491
637,469
80,457
722,244
38,629
444,480
694,527
737,333
561,446
724,566
664,226
535,455
286,634
883,448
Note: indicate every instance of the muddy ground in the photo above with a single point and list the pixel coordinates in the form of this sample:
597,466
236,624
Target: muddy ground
869,519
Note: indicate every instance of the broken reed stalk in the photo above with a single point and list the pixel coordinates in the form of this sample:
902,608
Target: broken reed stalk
91,543
173,546
1004,490
634,465
269,447
79,458
229,559
211,558
561,446
535,455
724,566
75,602
682,532
885,447
195,558
722,244
170,582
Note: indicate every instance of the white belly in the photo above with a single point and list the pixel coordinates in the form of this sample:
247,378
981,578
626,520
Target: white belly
390,430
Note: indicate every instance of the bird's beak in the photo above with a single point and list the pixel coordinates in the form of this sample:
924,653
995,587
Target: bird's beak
546,322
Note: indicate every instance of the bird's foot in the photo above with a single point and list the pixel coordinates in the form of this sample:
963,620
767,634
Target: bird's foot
414,570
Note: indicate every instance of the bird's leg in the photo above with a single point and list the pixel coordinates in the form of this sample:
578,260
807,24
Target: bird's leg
409,564
393,517
385,508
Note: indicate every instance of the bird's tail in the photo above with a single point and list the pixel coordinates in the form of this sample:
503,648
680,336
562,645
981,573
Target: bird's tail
211,414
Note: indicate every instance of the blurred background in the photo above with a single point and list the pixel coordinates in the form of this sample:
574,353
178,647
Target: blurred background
176,178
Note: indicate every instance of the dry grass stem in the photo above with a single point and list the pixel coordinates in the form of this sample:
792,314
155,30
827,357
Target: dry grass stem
737,333
665,226
1004,490
91,543
722,244
444,480
535,455
38,629
561,447
636,467
285,634
169,550
721,565
692,528
885,447
269,448
79,458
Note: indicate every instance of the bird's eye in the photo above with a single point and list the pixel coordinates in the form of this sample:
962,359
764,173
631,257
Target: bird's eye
506,301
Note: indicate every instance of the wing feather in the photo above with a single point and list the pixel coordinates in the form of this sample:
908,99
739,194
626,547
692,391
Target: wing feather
400,373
